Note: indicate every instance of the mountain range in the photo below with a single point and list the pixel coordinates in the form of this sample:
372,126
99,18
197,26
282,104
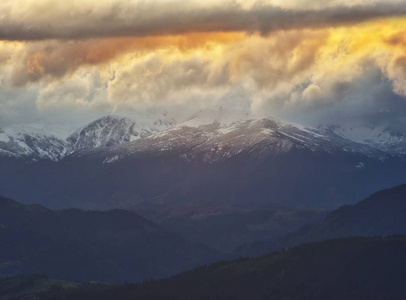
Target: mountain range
35,142
119,245
43,141
216,158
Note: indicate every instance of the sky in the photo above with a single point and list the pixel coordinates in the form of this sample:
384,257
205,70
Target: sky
311,61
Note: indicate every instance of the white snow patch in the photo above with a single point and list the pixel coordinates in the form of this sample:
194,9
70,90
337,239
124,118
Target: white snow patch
109,160
4,137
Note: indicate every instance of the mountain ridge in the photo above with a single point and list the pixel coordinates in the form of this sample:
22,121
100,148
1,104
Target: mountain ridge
73,244
36,142
381,214
232,162
351,269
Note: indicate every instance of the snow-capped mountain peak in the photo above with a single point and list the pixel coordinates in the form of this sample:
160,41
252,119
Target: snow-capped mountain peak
113,130
33,140
44,141
217,134
213,133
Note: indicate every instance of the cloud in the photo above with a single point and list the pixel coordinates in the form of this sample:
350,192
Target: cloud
313,92
44,19
88,59
50,60
54,60
365,98
278,58
255,63
397,72
17,107
157,78
81,97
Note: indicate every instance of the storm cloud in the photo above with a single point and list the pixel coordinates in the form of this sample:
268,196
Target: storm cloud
41,20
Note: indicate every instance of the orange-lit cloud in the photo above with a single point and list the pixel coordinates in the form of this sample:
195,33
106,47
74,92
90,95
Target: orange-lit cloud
34,66
55,59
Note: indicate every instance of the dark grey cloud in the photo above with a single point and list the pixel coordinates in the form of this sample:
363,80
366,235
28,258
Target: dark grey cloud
368,100
168,18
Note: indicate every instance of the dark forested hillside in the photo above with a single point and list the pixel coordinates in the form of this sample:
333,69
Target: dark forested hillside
350,269
81,245
381,214
225,228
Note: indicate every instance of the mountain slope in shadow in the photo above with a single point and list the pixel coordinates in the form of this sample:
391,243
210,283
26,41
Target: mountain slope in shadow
79,245
351,269
381,214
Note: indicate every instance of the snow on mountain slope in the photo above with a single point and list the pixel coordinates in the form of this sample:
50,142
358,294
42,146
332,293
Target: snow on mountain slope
214,159
33,142
210,135
382,138
44,141
113,130
216,134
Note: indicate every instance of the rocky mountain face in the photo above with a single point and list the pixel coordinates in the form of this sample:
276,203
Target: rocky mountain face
114,130
32,143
